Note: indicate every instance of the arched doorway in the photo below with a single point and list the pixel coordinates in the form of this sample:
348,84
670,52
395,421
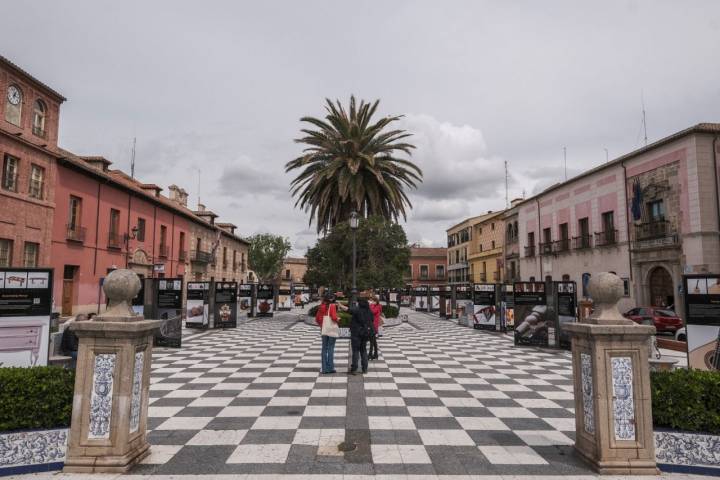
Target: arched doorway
662,293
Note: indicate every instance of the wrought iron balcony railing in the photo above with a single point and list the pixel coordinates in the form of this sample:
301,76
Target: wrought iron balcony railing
562,245
182,255
114,240
199,256
582,242
606,238
75,233
530,251
652,230
163,251
545,248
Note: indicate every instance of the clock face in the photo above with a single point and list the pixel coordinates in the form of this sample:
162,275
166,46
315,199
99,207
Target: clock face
14,96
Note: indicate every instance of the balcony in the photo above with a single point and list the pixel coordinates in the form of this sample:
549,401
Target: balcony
163,251
182,255
530,251
198,256
458,265
546,248
652,230
483,277
38,131
606,239
560,246
582,242
114,240
655,234
75,233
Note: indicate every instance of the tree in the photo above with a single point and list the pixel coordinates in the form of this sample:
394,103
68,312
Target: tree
383,256
351,164
266,255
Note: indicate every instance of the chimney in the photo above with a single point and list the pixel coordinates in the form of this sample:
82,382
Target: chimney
201,207
178,195
98,163
151,188
516,201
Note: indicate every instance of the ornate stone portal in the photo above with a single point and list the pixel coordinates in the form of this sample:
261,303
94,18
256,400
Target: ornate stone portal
109,419
613,409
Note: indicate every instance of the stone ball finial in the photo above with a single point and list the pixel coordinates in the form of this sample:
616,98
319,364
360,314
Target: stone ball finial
120,287
606,289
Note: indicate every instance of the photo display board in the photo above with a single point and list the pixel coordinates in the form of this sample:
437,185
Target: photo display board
484,306
246,291
444,303
168,308
225,312
531,322
405,297
304,292
265,300
197,314
566,308
285,300
507,308
25,308
464,304
702,320
435,298
420,298
393,296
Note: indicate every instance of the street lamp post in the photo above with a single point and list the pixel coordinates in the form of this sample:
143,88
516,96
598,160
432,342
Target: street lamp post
354,221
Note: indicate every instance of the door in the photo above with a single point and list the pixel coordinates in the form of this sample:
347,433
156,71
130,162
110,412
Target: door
67,297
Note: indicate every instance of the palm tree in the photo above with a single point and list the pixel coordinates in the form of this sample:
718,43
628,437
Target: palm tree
350,164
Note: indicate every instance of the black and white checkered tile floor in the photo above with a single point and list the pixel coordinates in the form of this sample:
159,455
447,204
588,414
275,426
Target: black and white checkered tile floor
442,400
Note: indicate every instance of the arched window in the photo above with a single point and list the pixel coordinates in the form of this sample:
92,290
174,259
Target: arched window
13,105
39,113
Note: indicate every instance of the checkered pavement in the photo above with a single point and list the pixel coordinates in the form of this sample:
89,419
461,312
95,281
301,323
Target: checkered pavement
441,400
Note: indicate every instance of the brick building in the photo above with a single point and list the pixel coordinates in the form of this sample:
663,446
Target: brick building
428,266
29,117
83,219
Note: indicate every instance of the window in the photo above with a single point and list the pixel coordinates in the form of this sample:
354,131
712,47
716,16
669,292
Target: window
234,265
225,264
439,271
181,252
492,226
37,179
532,279
198,244
10,173
287,274
563,231
39,113
424,272
547,235
74,219
565,277
493,244
6,248
409,271
30,257
608,222
656,210
584,227
626,287
13,105
141,230
163,241
242,261
114,236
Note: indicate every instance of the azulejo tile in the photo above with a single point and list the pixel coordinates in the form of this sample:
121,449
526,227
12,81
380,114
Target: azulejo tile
586,379
37,447
623,401
101,396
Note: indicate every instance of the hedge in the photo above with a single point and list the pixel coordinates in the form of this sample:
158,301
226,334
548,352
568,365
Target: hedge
35,397
389,311
686,400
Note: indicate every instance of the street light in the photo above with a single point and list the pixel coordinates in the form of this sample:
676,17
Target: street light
354,221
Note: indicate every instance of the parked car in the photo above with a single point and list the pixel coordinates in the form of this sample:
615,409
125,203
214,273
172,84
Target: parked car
681,335
664,320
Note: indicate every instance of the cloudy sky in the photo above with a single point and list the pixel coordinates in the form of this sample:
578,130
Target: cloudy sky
219,87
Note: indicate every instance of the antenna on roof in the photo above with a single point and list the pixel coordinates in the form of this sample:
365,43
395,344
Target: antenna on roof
132,159
565,161
198,170
644,120
507,204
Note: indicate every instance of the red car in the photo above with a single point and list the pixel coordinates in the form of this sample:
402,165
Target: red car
664,320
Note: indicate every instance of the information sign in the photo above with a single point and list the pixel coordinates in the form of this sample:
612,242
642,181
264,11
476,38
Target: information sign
196,305
530,314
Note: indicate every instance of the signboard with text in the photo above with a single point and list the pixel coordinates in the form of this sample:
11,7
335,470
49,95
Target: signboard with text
265,300
168,308
464,304
225,311
484,306
531,322
566,309
197,313
420,298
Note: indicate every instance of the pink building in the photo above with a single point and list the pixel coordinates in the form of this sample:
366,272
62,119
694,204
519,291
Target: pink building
649,216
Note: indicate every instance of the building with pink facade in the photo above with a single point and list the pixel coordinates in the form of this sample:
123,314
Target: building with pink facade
649,216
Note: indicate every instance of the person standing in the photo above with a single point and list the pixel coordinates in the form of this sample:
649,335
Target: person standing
361,327
376,310
327,311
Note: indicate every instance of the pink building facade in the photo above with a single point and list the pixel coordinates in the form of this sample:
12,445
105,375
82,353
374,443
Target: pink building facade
649,216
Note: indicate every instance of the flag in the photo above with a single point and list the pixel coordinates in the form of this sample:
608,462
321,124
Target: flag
636,206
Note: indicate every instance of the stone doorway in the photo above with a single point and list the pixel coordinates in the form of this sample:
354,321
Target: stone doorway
662,293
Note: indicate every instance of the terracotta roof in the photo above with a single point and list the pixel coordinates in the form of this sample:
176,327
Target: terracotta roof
428,252
711,128
125,181
25,74
478,219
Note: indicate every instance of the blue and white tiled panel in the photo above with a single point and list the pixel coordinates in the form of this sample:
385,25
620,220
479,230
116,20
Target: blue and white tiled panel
687,449
33,451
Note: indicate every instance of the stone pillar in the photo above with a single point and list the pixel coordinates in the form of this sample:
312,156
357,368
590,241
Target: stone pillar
613,409
110,404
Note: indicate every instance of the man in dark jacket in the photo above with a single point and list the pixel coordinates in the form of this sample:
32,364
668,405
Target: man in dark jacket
361,326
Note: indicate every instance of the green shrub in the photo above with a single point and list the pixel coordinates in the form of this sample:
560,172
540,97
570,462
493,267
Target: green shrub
686,400
390,311
35,397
